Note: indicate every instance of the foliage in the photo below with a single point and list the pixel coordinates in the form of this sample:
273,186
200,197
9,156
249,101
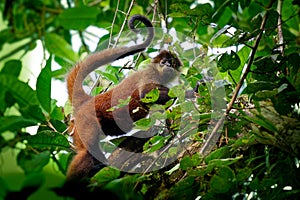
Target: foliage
255,45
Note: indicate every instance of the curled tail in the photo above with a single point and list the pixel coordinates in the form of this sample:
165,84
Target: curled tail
75,78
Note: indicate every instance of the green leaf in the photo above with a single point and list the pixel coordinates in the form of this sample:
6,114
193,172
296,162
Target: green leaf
43,87
151,97
144,124
260,120
264,64
59,47
33,112
259,86
219,33
14,123
244,174
12,67
203,10
177,91
32,162
123,187
109,76
106,175
47,139
21,91
3,104
59,125
33,181
262,95
216,163
184,189
3,188
223,181
179,10
271,23
155,143
186,162
222,152
78,18
57,113
64,161
228,61
294,68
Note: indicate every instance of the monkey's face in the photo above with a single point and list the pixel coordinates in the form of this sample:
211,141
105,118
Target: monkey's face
168,65
168,59
168,73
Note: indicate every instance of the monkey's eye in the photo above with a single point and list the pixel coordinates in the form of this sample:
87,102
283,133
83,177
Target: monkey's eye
165,62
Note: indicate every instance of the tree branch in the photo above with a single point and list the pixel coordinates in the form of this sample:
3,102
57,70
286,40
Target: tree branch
279,27
215,134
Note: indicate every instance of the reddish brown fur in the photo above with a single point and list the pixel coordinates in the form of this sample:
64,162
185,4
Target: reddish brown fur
136,86
92,116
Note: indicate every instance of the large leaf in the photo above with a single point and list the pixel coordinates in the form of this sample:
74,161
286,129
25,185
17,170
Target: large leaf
21,91
43,87
272,21
3,104
229,61
78,18
223,181
12,67
14,123
106,175
259,86
59,47
46,139
33,112
294,70
151,96
31,162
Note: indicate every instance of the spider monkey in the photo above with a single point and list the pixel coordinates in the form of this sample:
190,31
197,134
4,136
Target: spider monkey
95,117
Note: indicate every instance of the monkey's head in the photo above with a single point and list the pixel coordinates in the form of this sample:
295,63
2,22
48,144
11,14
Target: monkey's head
168,64
166,58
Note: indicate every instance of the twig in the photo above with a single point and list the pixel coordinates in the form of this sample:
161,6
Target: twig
85,46
119,35
124,23
57,163
113,22
280,33
215,134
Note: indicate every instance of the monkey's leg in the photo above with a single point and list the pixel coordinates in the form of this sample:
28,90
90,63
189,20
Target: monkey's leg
81,166
89,158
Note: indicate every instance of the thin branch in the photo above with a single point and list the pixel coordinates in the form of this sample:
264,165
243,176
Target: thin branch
124,23
280,33
57,163
113,23
85,46
216,132
251,59
119,35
